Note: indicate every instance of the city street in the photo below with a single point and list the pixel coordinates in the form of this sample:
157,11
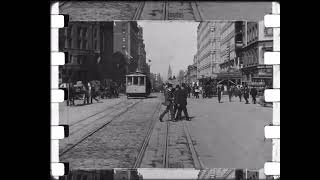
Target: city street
230,134
224,135
199,11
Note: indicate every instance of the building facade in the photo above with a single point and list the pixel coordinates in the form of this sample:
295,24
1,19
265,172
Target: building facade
208,49
126,41
231,46
257,40
89,47
191,75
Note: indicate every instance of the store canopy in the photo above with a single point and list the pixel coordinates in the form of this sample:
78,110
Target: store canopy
225,75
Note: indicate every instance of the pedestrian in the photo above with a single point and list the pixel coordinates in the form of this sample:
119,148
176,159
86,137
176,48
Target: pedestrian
196,92
219,91
254,93
181,101
85,89
240,90
168,102
246,94
71,94
94,93
189,91
230,93
175,105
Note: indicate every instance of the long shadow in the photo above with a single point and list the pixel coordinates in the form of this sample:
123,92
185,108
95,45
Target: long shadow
183,118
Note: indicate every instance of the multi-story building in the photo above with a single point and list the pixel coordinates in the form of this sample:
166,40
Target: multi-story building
257,39
89,47
191,75
126,41
208,49
231,44
142,63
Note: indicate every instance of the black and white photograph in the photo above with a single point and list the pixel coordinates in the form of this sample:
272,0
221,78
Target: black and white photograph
165,94
153,87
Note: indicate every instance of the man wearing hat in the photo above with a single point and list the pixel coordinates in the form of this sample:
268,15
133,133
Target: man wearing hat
168,102
181,101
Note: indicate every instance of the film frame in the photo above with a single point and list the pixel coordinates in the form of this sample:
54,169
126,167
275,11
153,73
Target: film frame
58,131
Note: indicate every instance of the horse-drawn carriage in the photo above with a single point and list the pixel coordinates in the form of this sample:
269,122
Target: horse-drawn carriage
109,89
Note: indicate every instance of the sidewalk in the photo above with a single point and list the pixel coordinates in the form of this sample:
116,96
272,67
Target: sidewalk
70,114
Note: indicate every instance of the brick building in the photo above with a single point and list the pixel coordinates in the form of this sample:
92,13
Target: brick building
89,47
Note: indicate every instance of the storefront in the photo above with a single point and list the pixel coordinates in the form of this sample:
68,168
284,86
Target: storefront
259,76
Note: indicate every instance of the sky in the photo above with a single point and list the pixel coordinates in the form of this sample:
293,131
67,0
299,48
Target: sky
169,42
155,173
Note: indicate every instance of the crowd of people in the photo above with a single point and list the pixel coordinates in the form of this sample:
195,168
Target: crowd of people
89,91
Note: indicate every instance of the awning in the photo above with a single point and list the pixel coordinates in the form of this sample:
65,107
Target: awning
231,75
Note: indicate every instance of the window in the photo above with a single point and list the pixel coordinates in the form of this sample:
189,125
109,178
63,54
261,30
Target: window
129,81
95,32
124,39
268,31
84,32
79,31
135,80
141,81
70,43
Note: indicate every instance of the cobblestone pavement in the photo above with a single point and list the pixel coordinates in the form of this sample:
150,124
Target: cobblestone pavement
152,11
108,11
72,114
99,11
179,152
230,134
178,149
117,144
83,127
180,11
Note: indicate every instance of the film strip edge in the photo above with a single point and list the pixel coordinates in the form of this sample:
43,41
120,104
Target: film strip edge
57,95
273,95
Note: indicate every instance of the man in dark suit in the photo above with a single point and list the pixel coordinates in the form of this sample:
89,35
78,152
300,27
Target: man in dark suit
246,94
254,93
219,91
168,102
181,100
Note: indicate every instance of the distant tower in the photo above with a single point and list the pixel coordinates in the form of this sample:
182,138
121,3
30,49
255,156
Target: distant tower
169,72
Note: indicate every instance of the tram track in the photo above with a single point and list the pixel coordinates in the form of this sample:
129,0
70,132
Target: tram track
166,158
168,11
195,158
98,128
146,140
95,114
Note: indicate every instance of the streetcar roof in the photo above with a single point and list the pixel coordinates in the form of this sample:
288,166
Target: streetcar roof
135,74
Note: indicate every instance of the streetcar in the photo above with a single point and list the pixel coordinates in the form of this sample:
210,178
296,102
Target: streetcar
138,85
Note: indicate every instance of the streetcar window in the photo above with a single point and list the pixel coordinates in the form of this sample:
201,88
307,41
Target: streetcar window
129,80
141,81
135,80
